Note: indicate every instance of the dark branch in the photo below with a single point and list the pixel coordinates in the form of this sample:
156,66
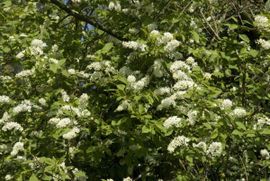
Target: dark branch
85,19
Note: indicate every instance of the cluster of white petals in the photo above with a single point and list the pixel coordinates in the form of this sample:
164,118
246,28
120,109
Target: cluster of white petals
37,47
71,134
172,121
18,146
115,5
178,142
4,99
12,126
265,44
25,73
215,149
135,45
24,106
261,21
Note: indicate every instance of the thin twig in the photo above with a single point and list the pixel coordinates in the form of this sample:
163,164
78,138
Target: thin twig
86,19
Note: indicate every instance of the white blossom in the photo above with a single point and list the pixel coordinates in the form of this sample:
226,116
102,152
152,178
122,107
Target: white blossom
183,85
12,126
214,149
63,123
71,134
42,101
25,106
37,47
192,116
167,102
123,106
226,104
83,100
131,79
162,90
172,45
134,45
25,73
239,112
264,44
154,33
8,177
127,179
179,65
72,71
6,117
172,121
18,146
265,154
261,21
65,96
178,142
20,55
115,6
167,36
4,99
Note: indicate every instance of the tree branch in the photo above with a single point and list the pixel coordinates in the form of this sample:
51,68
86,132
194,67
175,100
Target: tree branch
86,19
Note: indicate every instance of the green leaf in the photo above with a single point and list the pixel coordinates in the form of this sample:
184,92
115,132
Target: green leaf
33,178
195,36
244,38
265,132
240,125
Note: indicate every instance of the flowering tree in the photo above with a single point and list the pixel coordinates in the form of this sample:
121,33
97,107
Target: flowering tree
134,90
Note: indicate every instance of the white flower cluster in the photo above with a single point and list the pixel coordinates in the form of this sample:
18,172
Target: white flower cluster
215,149
265,44
123,106
262,121
261,21
226,104
100,69
37,47
138,85
12,126
80,112
115,5
61,123
21,54
8,177
76,1
71,134
162,91
6,117
167,102
192,116
166,39
24,106
134,45
265,154
18,146
4,99
172,121
83,100
42,101
25,73
172,45
127,179
65,96
178,142
239,112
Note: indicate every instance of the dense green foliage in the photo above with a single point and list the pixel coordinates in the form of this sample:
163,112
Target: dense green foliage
134,90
